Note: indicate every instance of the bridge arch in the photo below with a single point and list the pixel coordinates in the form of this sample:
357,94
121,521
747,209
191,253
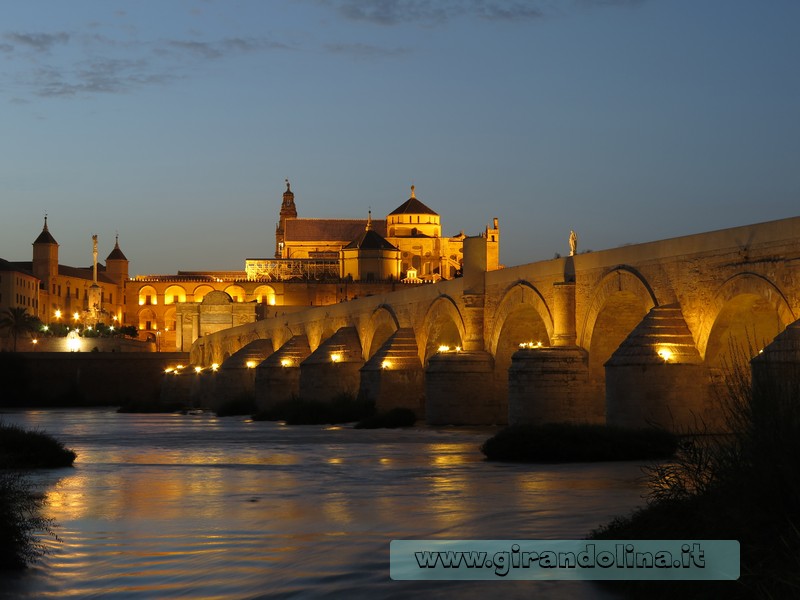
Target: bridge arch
382,324
747,312
621,299
620,282
521,316
442,325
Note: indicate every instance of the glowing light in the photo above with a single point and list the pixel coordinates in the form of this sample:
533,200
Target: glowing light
73,341
387,364
168,370
58,314
530,345
75,316
111,328
444,348
178,366
45,328
166,328
336,357
214,367
198,369
35,341
458,348
285,362
272,301
665,353
115,318
251,364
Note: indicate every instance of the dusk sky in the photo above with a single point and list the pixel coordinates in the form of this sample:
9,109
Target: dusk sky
176,122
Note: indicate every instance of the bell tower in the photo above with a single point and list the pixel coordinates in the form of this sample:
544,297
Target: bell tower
45,257
288,211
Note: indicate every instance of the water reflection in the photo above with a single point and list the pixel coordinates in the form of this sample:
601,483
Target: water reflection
164,505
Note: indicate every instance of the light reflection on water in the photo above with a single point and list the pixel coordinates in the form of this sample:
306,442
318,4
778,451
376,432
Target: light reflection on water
194,506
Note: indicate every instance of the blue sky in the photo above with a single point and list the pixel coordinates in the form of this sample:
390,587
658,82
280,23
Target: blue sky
176,122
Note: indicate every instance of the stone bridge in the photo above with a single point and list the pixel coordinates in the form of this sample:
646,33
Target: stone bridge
632,335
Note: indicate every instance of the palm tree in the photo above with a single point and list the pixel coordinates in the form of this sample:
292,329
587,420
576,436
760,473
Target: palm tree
16,320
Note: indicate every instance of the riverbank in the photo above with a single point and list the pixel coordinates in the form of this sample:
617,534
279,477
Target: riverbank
21,509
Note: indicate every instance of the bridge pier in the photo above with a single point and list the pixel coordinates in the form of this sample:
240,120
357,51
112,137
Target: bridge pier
549,385
393,377
236,378
657,378
333,369
778,364
202,388
460,390
564,314
176,386
277,378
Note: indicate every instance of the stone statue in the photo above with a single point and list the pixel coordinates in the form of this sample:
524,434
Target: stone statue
573,243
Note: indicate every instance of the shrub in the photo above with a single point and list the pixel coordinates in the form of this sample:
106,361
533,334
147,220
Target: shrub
22,449
561,442
396,417
20,522
742,486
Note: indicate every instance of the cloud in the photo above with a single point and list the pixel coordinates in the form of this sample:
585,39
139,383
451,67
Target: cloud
433,12
202,49
105,65
366,50
436,12
41,42
96,76
221,48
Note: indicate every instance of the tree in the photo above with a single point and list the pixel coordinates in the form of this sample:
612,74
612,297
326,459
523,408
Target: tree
16,321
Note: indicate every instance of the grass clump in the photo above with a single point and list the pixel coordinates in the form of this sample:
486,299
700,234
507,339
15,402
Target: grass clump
22,449
342,409
391,419
742,486
561,442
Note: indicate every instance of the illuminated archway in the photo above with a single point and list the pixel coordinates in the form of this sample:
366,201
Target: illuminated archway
619,303
442,326
174,294
265,294
382,324
147,320
521,317
236,292
748,312
148,295
200,292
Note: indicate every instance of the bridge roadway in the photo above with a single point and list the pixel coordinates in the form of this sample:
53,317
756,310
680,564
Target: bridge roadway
631,335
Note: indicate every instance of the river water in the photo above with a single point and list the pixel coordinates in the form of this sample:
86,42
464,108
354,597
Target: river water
161,506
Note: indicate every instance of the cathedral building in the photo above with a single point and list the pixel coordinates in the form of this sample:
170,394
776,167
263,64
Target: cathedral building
316,262
324,245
